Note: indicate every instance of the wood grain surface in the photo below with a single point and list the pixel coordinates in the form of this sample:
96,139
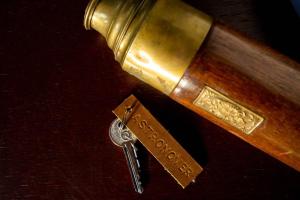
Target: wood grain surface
60,83
253,76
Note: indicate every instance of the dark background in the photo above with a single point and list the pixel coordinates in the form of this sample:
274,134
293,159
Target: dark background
59,84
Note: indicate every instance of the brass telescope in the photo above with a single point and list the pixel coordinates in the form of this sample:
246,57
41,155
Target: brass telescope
243,86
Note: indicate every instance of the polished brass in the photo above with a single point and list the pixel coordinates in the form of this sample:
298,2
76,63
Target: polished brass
153,40
159,142
226,109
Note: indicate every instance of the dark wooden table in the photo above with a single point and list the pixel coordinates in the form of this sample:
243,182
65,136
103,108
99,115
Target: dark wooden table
59,84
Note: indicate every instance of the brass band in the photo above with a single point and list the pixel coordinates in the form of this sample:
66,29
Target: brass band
153,40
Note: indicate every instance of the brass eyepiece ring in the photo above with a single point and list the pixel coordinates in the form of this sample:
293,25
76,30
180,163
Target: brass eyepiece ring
89,12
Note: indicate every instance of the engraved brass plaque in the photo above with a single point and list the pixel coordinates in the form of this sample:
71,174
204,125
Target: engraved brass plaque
231,112
158,141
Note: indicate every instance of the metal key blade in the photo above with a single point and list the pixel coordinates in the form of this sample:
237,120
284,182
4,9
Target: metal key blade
133,165
122,137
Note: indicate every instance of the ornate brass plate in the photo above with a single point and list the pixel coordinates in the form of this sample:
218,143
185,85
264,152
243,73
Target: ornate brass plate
227,110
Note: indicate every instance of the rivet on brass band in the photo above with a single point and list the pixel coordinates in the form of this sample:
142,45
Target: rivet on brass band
227,110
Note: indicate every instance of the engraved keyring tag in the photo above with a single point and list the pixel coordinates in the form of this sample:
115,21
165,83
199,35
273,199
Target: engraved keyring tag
158,141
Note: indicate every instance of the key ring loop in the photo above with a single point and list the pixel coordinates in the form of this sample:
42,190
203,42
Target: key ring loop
128,111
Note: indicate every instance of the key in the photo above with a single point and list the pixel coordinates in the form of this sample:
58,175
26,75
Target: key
158,141
121,136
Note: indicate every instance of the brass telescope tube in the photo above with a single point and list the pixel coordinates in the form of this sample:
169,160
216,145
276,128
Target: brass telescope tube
238,84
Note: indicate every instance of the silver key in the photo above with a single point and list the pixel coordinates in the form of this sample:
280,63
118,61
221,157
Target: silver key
121,136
